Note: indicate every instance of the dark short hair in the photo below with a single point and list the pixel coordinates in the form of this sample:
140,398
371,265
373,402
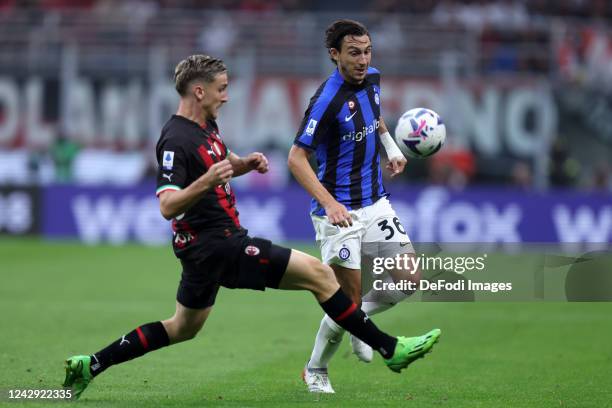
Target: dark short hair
340,29
194,67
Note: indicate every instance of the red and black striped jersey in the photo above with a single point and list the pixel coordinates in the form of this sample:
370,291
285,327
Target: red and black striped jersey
185,151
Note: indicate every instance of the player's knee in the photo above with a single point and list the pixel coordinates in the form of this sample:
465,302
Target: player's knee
322,276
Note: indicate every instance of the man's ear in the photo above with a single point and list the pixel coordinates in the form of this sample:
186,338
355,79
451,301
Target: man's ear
198,92
334,54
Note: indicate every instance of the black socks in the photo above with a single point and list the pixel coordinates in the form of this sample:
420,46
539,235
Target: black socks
136,343
350,317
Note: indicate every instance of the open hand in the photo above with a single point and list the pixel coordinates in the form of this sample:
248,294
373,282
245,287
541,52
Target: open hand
396,165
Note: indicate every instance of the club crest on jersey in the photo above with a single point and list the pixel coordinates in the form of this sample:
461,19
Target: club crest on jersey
251,250
311,127
182,239
344,253
377,98
167,160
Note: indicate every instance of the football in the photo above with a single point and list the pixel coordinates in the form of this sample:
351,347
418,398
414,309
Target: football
420,133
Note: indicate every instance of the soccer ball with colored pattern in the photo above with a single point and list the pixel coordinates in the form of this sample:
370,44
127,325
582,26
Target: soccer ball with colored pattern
420,133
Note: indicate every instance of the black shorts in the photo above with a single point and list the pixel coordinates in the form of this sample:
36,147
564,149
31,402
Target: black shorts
238,262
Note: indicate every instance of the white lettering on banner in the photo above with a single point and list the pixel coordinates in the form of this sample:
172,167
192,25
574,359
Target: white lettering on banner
522,140
162,103
480,122
121,111
148,225
264,219
80,116
460,222
110,102
271,118
490,119
38,134
9,101
414,95
502,224
115,221
586,225
15,212
433,219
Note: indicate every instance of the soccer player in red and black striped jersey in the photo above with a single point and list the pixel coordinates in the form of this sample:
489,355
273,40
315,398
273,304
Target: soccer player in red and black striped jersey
195,168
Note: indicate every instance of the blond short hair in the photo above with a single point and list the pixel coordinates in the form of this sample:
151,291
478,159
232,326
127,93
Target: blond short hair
196,67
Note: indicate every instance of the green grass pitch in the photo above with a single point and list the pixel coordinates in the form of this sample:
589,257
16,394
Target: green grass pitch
59,299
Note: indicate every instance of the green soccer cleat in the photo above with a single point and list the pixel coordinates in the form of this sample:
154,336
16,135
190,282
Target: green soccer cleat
409,349
78,375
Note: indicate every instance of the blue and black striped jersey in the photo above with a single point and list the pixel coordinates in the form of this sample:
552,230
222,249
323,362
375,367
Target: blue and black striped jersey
341,125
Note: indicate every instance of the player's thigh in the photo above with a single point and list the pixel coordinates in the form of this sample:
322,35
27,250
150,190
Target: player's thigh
199,286
385,238
252,263
349,280
340,246
383,225
308,273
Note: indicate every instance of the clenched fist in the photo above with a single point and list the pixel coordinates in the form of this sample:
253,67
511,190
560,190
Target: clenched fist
257,161
219,173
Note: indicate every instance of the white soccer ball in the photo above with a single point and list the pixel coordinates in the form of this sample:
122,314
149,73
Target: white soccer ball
420,133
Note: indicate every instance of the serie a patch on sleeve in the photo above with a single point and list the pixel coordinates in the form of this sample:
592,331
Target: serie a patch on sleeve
168,160
311,127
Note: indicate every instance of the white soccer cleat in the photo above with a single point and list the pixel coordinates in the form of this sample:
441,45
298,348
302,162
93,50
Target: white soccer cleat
361,350
317,380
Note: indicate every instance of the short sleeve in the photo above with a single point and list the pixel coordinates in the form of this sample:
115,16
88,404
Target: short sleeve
313,128
319,117
172,167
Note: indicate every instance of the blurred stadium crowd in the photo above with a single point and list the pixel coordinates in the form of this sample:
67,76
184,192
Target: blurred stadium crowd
469,12
524,86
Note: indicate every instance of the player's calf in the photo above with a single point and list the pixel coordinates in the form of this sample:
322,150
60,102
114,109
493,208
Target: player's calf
186,323
349,280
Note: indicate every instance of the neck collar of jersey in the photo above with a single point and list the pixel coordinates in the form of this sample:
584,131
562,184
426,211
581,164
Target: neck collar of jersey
191,122
337,76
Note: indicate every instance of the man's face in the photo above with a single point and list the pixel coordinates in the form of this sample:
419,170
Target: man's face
354,57
212,95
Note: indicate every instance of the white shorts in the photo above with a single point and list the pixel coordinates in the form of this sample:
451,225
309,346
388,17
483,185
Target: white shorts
376,223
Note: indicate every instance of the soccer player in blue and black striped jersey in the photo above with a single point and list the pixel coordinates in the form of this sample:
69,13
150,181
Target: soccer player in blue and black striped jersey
350,212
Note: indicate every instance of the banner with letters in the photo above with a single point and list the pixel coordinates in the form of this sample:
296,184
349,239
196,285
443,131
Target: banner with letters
19,210
430,214
494,118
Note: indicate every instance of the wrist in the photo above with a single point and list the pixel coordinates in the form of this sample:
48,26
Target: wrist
326,202
391,148
247,165
203,184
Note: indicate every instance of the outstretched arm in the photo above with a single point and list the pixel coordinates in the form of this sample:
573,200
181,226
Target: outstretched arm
254,161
